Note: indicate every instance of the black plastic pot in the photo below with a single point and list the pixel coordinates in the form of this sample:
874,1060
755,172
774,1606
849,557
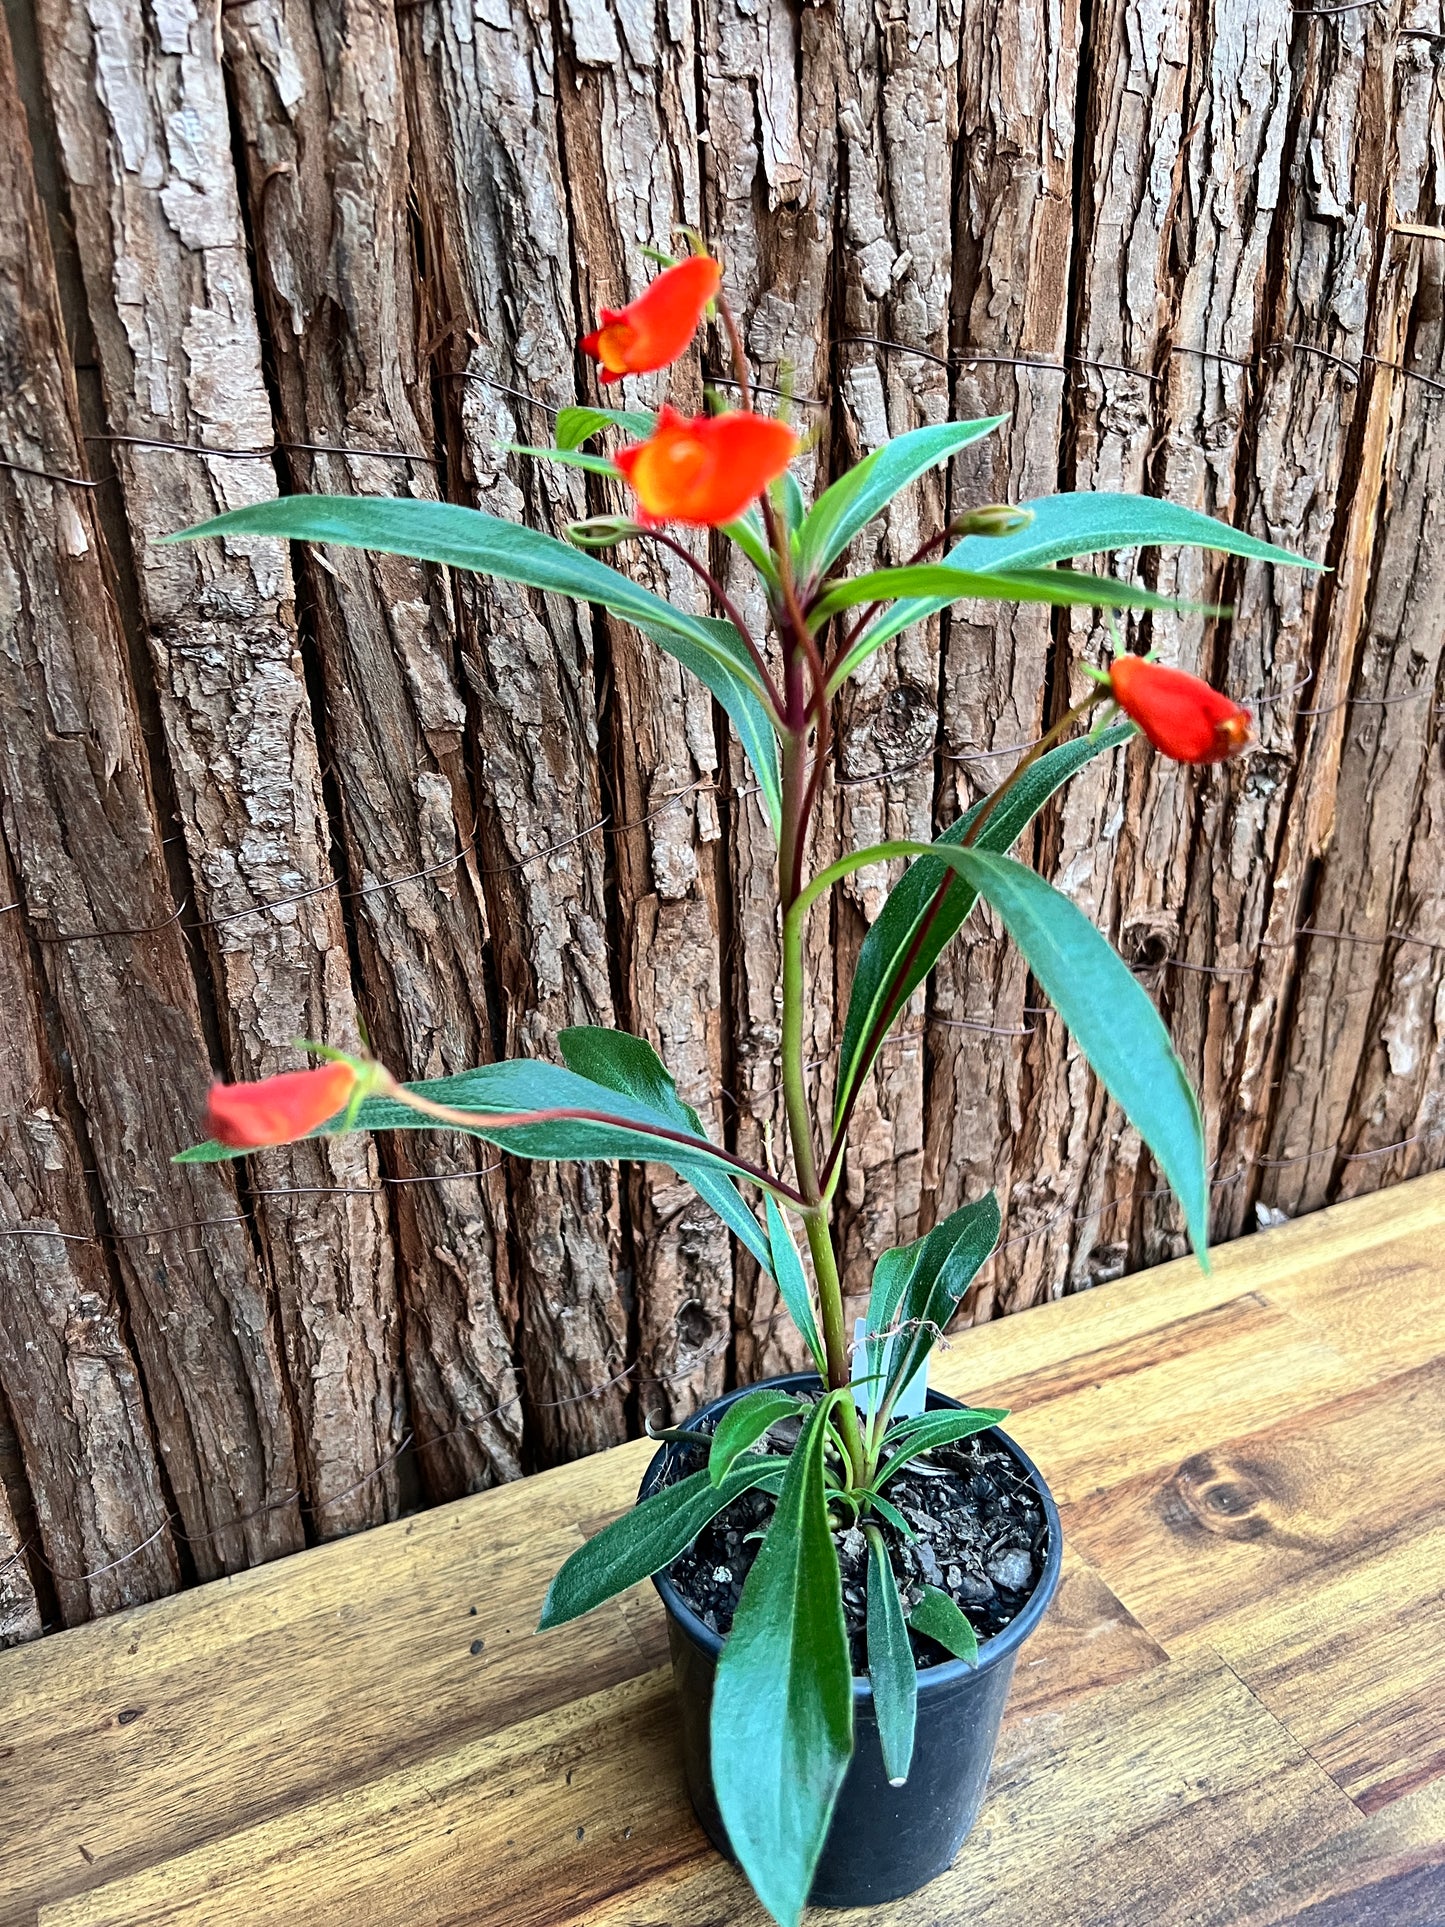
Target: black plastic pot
885,1841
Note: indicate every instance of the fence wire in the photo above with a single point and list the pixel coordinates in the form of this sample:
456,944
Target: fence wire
960,359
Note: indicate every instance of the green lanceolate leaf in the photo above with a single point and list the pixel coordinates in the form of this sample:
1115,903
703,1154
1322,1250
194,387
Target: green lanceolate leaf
1089,523
782,1708
464,538
898,937
870,485
886,1509
568,458
540,1103
913,1436
1059,588
728,673
891,1671
648,1538
578,425
920,1287
939,1618
787,1269
748,533
1111,1019
630,1065
743,1424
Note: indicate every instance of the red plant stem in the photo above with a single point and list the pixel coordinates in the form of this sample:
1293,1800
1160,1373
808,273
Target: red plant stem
729,609
478,1121
1045,742
799,791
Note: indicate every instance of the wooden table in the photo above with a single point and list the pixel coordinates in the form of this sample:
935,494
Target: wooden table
1232,1716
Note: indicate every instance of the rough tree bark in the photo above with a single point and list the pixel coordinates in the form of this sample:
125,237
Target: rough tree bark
66,1369
144,140
85,842
628,129
1355,1059
323,124
495,219
1013,236
1195,249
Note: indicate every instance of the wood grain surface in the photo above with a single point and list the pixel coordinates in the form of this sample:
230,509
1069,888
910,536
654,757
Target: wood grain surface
1229,1718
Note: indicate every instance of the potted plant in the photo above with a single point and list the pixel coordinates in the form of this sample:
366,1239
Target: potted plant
829,1548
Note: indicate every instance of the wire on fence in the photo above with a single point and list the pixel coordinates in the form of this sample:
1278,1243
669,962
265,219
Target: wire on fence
409,1442
603,826
958,358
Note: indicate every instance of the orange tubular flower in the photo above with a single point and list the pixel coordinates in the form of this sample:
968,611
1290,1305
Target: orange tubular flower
1182,716
653,330
706,471
244,1117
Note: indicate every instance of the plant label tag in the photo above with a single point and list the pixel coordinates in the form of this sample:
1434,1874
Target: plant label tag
910,1401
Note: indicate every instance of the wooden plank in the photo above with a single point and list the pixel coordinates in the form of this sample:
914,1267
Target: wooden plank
278,1647
1232,1698
1268,1514
1386,1312
1308,1555
1121,1409
1388,1871
582,1778
1177,1775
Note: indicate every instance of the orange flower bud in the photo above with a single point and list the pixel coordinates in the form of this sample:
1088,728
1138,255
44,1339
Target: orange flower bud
1182,716
707,470
653,330
244,1117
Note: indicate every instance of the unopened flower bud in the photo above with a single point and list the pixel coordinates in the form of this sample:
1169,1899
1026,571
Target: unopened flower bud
1181,716
994,518
602,531
277,1110
653,330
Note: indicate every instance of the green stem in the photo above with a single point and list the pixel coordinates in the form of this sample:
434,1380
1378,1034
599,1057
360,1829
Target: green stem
815,1212
1045,742
835,1335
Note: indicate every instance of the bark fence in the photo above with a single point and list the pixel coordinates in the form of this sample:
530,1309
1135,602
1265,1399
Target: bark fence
246,796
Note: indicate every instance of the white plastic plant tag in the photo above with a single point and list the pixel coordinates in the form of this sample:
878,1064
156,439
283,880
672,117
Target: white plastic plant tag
910,1401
